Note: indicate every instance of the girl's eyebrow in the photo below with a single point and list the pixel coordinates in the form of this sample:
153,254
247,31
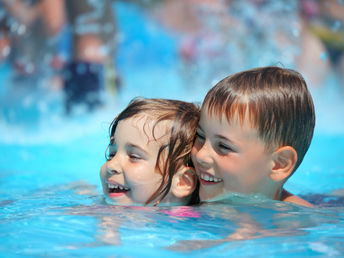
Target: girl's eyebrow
134,146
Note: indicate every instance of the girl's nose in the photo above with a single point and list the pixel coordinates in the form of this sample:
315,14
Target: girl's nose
113,166
112,172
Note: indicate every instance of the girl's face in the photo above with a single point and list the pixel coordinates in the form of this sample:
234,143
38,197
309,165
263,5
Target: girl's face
130,175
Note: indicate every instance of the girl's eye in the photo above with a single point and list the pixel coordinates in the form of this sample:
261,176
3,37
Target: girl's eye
111,155
134,157
110,152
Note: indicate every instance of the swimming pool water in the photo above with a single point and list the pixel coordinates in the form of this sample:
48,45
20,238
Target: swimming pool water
50,195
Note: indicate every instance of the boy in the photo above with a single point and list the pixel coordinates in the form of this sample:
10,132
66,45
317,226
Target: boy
254,131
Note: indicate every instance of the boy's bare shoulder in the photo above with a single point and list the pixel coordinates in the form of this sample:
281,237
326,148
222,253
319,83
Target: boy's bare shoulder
288,197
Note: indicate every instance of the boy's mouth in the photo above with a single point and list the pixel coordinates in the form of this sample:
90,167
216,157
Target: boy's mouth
208,179
116,190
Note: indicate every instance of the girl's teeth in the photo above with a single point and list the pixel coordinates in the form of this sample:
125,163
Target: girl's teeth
116,187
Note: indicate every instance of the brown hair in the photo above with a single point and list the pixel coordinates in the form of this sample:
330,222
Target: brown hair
276,101
184,118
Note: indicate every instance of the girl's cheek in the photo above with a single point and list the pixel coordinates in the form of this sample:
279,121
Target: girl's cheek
103,171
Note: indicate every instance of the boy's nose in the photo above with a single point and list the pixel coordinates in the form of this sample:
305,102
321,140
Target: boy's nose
203,155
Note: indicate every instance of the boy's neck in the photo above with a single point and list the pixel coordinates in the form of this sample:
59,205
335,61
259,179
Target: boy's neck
272,190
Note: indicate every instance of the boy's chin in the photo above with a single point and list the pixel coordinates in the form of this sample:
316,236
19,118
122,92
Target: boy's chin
207,194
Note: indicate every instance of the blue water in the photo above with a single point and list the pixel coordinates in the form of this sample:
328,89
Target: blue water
50,195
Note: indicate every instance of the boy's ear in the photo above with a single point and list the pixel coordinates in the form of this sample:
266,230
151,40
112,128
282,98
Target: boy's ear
184,182
284,160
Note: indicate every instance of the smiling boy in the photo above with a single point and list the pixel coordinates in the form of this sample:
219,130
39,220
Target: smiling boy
255,128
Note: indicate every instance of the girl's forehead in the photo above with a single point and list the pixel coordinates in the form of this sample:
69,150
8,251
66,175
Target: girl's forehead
147,125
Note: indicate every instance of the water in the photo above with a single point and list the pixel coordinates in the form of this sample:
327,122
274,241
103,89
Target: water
50,194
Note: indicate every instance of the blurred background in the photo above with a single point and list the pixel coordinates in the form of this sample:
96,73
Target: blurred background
68,67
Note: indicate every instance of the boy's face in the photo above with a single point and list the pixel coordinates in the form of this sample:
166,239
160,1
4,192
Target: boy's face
130,175
229,157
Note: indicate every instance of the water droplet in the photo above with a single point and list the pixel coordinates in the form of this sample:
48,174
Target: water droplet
5,51
296,33
28,101
21,29
43,107
336,25
29,68
81,69
323,56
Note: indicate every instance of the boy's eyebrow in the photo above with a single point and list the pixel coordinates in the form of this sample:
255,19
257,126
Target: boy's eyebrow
224,138
219,136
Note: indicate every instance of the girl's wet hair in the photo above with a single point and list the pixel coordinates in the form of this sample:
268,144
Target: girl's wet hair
275,100
184,118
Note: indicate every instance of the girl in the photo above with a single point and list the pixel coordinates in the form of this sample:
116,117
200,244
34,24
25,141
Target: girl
149,155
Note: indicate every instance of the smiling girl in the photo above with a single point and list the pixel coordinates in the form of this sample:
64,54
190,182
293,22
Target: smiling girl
149,155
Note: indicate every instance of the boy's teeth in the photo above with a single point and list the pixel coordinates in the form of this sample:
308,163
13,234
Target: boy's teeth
210,178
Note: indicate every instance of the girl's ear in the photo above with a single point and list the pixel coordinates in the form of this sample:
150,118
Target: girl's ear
284,160
184,182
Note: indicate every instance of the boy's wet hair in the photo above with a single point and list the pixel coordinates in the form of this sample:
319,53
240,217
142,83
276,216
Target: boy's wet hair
176,152
275,100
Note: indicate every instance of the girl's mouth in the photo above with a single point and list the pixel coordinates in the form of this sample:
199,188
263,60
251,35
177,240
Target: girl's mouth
116,190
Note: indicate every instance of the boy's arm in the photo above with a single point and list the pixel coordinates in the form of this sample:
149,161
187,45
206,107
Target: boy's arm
288,197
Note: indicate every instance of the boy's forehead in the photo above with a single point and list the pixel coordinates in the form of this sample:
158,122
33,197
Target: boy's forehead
223,118
221,123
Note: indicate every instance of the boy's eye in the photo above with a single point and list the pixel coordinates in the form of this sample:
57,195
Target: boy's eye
200,137
224,148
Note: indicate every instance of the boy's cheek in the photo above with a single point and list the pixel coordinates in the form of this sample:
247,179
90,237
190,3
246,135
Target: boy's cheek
194,152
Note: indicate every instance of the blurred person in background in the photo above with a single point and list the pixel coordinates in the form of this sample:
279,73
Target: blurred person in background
30,28
28,48
5,41
91,67
35,28
322,44
201,27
